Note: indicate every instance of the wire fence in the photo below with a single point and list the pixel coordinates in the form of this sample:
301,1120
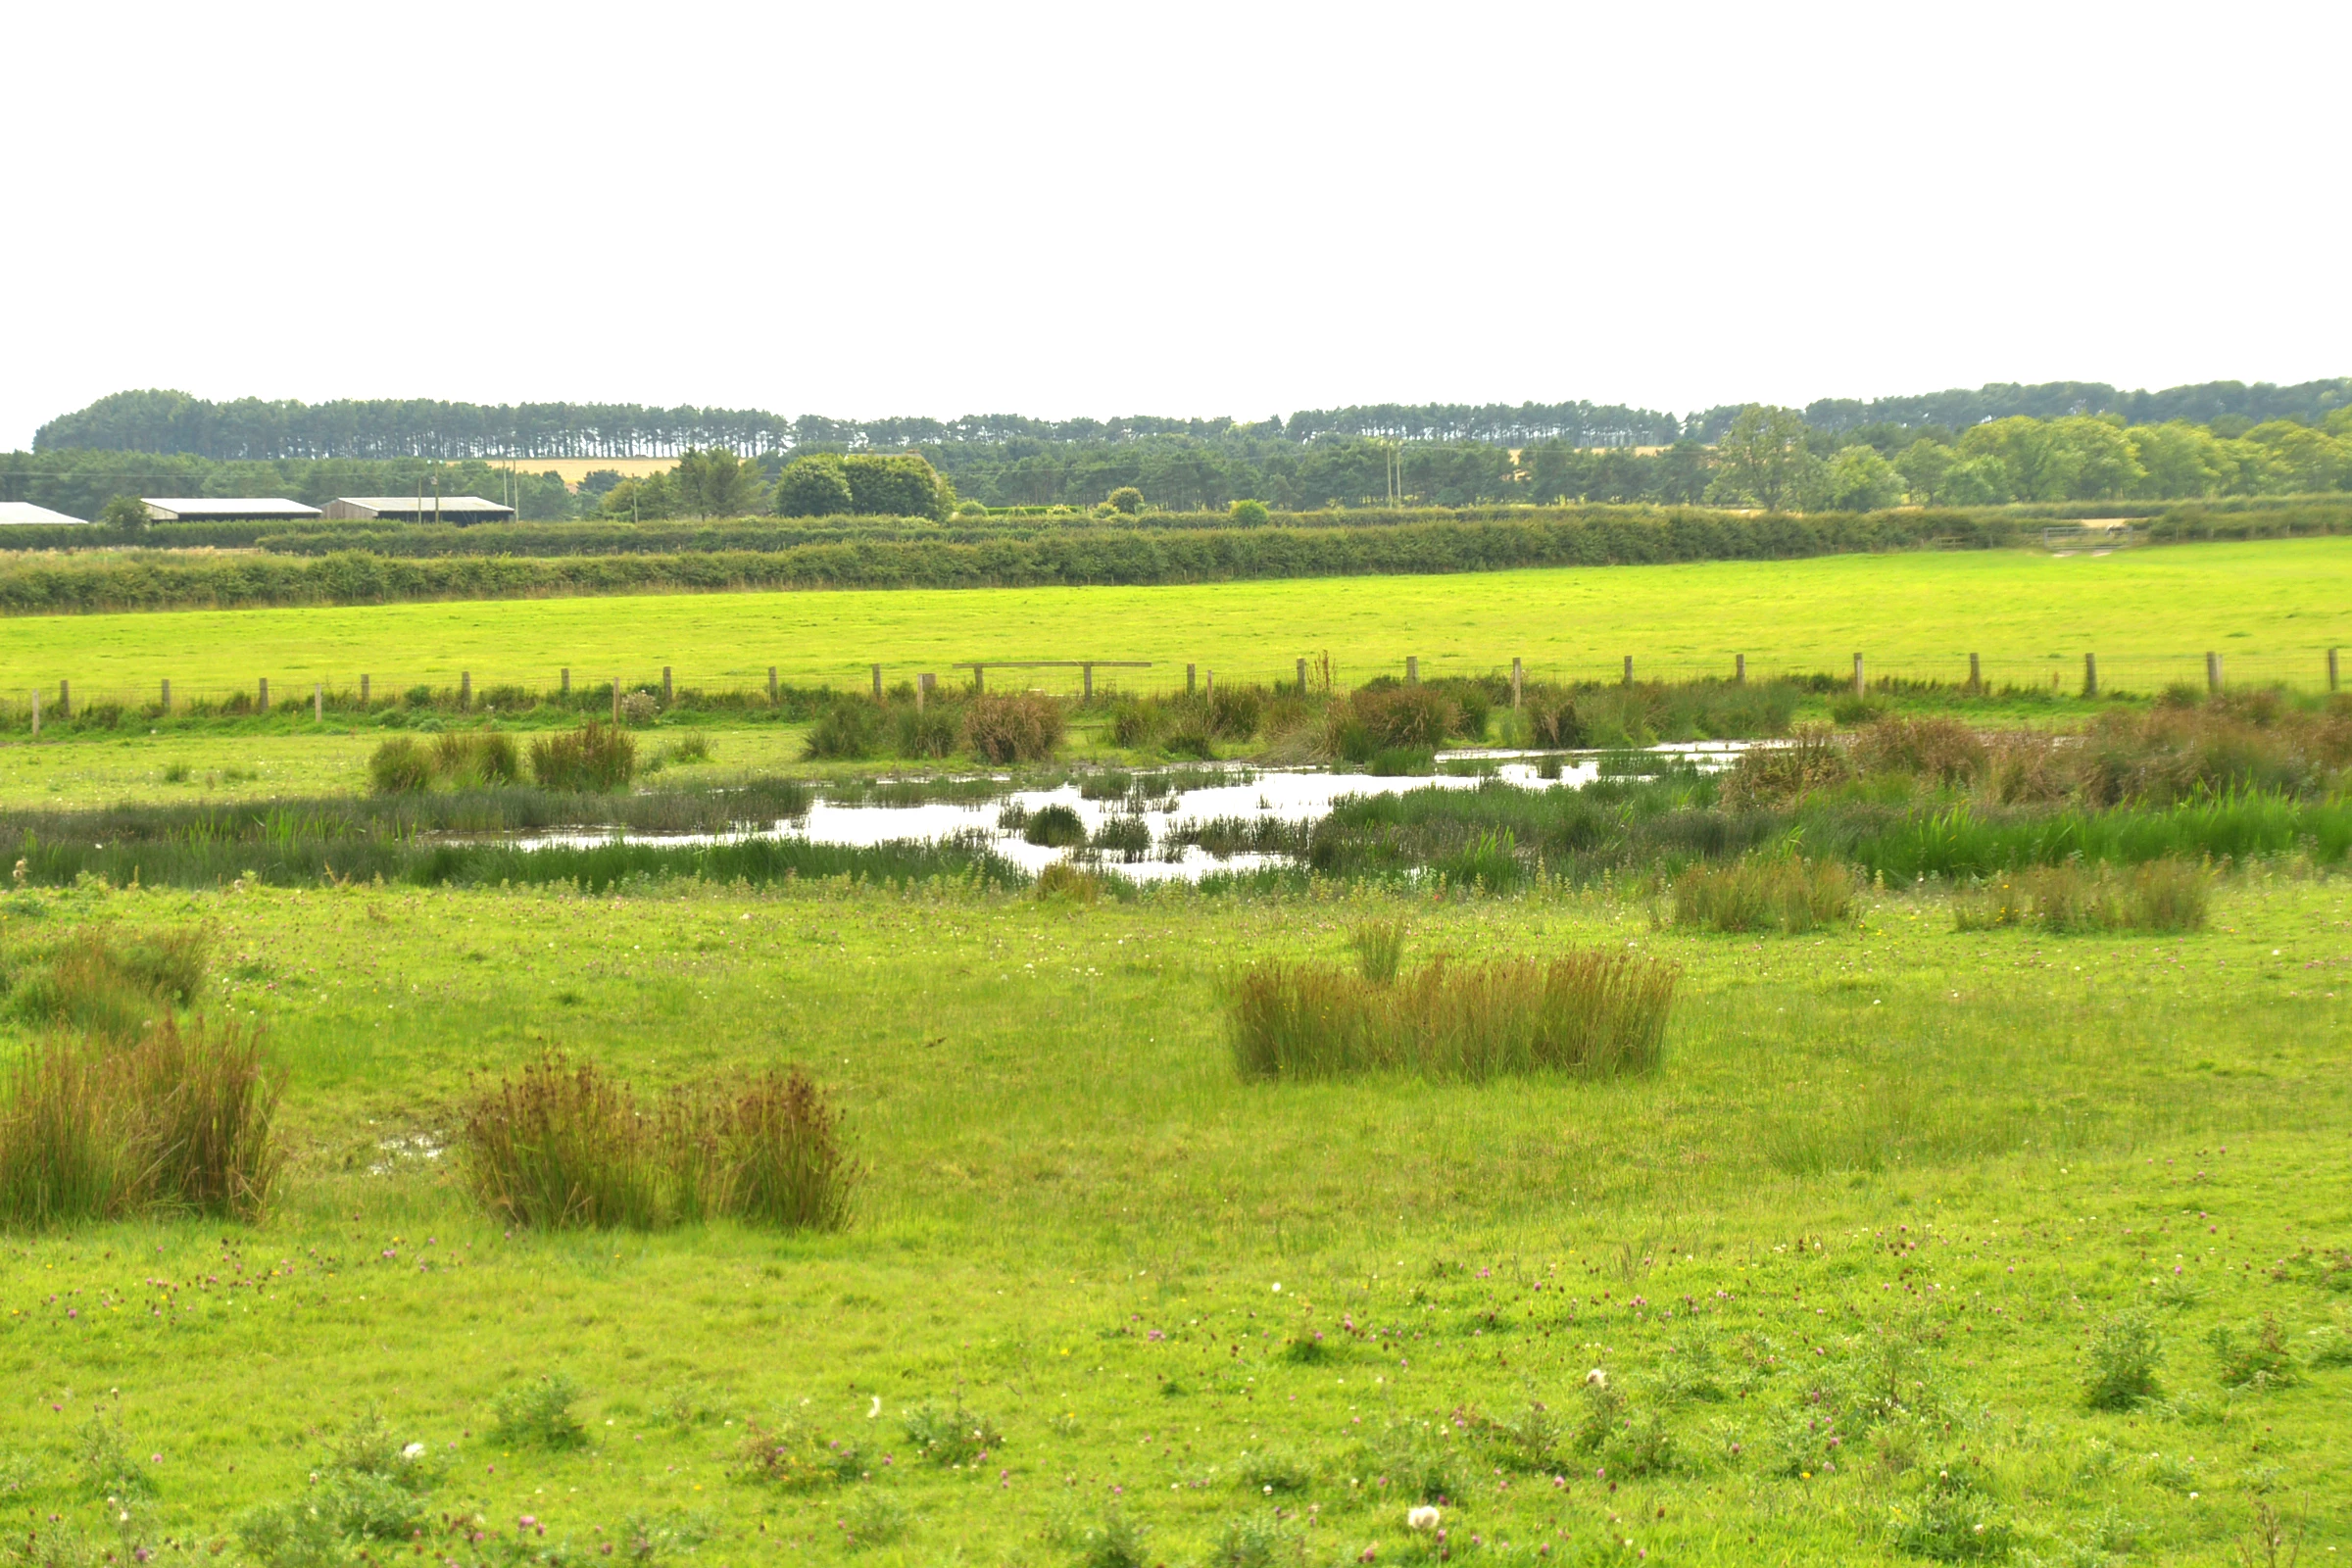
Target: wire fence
507,688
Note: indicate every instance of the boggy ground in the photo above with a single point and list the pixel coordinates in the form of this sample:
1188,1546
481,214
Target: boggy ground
1843,1255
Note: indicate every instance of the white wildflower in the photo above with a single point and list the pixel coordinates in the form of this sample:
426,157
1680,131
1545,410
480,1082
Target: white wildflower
1421,1518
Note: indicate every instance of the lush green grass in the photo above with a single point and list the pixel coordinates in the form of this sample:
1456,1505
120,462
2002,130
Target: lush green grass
2150,615
1886,1150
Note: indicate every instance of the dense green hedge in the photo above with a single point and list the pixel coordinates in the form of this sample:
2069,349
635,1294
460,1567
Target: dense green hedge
758,554
155,581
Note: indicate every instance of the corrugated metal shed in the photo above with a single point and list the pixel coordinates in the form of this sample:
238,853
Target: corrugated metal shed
25,511
404,509
224,509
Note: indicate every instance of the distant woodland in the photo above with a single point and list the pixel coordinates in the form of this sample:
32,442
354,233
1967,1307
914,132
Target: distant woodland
2052,443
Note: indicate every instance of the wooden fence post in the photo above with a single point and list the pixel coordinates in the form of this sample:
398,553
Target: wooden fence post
1859,687
363,690
1086,683
2091,674
166,705
877,684
665,686
1739,669
1189,686
563,683
317,701
923,684
2213,672
1302,677
464,690
1628,669
1518,682
1975,674
64,699
264,694
1413,670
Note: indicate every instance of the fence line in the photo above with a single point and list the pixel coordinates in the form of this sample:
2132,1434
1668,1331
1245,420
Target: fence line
474,690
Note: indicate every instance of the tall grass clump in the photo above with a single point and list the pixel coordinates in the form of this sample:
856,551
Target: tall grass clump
110,986
593,758
476,759
400,766
1811,761
2165,895
1014,727
1379,948
564,1146
1764,893
847,731
1594,1013
183,1122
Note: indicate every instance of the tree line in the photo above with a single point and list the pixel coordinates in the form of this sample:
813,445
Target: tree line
1764,458
249,429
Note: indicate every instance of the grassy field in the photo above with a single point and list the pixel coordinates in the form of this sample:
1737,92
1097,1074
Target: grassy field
2272,608
1889,1185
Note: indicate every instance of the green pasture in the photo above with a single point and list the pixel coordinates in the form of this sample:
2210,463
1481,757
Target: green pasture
2270,607
1894,1162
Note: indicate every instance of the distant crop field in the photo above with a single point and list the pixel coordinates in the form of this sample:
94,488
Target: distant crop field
2271,608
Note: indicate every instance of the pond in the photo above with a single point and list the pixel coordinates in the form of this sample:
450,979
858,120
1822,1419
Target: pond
1162,805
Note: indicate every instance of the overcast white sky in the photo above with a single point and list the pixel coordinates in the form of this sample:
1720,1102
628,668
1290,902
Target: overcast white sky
1199,209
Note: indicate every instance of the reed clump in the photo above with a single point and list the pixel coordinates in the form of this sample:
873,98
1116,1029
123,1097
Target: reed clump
1593,1014
565,1145
1012,727
183,1121
2164,894
1812,760
591,760
1764,893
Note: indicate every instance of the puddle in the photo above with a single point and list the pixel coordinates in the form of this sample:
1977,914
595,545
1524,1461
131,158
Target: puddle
1256,795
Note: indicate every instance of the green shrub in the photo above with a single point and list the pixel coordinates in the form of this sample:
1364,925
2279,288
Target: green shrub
2254,1358
539,1414
956,1436
1247,514
400,766
2120,1365
1761,893
795,1457
1593,1013
591,760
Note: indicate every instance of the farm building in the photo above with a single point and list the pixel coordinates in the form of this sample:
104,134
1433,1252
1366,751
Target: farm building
407,509
25,511
224,509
